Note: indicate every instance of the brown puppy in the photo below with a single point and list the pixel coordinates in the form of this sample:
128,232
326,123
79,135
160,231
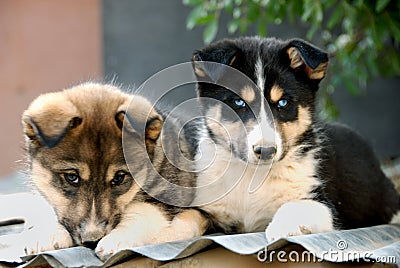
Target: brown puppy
75,144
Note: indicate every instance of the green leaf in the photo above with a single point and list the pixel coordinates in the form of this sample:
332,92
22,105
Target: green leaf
318,13
294,9
373,33
262,27
389,62
351,86
212,5
336,16
237,12
380,5
329,3
311,32
351,20
206,19
281,10
228,8
253,12
233,26
243,25
312,12
394,28
329,110
192,2
210,32
308,9
193,16
371,63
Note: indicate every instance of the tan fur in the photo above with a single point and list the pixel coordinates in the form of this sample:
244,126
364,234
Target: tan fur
227,131
248,94
127,197
213,118
53,119
190,223
276,93
199,70
80,132
317,73
296,61
295,57
140,222
153,229
41,178
112,169
232,60
292,130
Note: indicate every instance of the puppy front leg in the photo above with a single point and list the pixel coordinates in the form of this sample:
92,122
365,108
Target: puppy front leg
140,222
39,239
149,225
187,224
300,217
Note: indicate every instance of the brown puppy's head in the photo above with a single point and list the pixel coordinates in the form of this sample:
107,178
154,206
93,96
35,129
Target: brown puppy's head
74,141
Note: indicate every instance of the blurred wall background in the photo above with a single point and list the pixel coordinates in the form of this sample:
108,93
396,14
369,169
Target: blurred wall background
44,45
47,45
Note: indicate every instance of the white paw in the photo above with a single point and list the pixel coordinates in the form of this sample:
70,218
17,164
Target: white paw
299,218
36,241
396,218
277,229
114,242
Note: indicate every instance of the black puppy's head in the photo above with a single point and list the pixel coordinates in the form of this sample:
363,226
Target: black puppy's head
258,94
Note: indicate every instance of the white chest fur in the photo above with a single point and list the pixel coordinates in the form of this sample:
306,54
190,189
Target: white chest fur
224,187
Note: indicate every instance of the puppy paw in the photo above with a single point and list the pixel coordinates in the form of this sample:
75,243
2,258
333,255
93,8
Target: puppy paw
36,241
114,242
277,229
299,218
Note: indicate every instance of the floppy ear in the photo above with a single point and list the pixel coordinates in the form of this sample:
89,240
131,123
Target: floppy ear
307,58
139,116
48,119
224,52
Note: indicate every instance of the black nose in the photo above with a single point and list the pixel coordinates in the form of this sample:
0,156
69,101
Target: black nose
90,244
264,153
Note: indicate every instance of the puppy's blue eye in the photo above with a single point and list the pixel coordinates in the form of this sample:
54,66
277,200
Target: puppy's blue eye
240,103
282,103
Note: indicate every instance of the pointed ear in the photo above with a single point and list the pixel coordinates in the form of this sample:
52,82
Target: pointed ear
139,116
48,119
307,58
224,52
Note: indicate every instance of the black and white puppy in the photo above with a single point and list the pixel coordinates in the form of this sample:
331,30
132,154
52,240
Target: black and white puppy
312,176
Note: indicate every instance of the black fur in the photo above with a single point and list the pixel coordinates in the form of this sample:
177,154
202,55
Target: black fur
354,182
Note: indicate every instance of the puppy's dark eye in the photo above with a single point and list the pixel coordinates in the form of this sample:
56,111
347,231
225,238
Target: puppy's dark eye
119,178
71,177
240,103
282,103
